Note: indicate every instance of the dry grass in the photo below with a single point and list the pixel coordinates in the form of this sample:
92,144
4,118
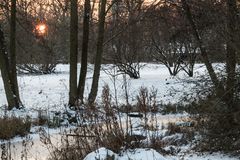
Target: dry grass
13,126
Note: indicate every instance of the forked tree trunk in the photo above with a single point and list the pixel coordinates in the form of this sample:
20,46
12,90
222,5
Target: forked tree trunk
99,52
85,40
73,52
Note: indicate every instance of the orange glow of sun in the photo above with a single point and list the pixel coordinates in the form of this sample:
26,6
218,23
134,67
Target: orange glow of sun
41,29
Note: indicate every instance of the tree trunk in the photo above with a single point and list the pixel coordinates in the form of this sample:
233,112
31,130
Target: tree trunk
4,68
218,85
99,52
84,60
13,72
231,51
73,53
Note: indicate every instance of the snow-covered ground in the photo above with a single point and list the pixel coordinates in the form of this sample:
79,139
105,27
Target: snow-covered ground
150,154
50,93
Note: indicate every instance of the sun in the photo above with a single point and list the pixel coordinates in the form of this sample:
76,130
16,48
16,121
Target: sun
41,29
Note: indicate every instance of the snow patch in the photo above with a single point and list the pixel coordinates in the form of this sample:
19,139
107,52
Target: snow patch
136,154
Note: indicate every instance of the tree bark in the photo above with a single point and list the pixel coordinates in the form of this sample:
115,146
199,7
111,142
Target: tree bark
231,51
85,40
73,53
99,52
4,68
13,72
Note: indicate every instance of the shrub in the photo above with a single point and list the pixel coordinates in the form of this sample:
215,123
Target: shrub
173,128
112,140
217,126
173,108
13,126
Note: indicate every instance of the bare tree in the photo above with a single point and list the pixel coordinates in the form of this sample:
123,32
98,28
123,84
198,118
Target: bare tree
231,51
168,54
224,91
167,34
126,31
99,52
13,72
189,53
4,67
85,41
218,84
73,52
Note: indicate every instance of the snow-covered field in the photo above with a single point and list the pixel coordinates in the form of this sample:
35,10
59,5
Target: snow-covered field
50,93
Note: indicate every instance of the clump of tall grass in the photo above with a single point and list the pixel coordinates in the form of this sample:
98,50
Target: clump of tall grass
14,126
